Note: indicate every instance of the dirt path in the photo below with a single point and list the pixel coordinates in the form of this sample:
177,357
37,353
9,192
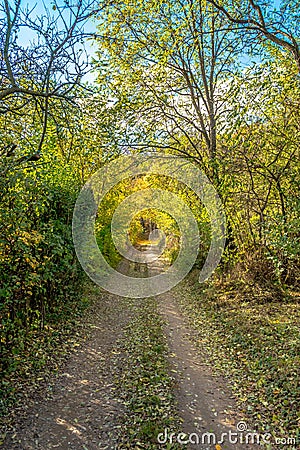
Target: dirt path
205,402
82,411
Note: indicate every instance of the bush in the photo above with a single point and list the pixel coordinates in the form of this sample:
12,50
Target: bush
40,275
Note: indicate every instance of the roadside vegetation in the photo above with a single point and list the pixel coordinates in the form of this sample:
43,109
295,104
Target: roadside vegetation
252,336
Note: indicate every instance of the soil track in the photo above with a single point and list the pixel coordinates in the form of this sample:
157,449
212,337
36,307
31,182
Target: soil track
82,410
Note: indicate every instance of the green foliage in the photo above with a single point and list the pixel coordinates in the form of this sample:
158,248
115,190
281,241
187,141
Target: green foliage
40,275
153,218
283,244
176,84
106,245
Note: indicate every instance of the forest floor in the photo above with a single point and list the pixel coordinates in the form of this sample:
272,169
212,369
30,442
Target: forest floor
138,377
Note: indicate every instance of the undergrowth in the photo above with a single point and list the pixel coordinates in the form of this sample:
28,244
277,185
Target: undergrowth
254,339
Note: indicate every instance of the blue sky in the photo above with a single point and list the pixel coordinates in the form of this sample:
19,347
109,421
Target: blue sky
25,35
